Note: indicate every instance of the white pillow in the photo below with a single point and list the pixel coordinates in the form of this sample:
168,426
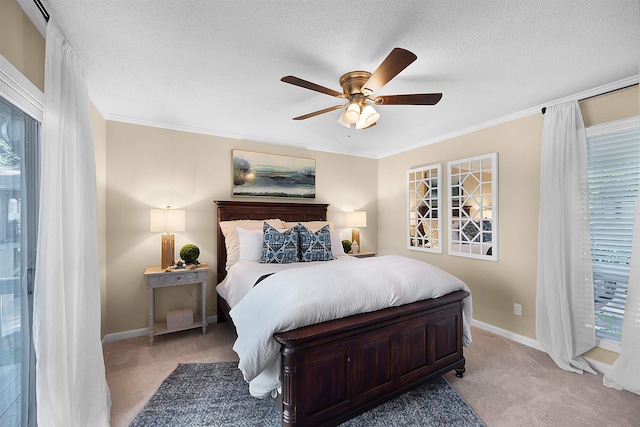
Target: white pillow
250,245
336,244
231,240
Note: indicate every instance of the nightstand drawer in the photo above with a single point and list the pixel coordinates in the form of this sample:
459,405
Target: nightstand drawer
185,277
176,278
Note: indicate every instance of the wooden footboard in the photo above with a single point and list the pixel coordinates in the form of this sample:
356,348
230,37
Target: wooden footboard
336,370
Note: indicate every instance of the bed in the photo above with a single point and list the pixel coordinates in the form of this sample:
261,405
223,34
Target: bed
334,370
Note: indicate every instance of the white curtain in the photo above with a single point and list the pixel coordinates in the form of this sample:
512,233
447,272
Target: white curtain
71,388
625,372
564,298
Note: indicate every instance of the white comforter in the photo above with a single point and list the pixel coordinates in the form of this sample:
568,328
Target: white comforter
243,275
325,291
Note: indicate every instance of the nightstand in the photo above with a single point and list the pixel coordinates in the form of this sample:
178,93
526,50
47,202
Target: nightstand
159,278
364,254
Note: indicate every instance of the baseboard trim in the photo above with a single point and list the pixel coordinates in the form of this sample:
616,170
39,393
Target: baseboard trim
134,333
600,367
530,342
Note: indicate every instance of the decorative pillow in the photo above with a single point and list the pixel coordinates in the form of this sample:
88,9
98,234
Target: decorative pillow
231,239
311,225
315,246
250,245
336,244
279,246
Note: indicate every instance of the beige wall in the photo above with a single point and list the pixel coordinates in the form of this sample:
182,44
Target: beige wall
141,167
495,286
21,43
150,168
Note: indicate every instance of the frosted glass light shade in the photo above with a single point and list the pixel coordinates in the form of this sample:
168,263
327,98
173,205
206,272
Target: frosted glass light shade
370,115
167,220
352,113
343,121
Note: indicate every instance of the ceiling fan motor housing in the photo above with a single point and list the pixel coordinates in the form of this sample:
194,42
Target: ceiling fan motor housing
353,81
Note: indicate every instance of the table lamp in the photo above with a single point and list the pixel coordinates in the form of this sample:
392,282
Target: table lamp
356,220
166,221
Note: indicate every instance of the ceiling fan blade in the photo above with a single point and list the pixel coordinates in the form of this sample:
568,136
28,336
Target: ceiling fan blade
409,99
317,113
311,86
396,61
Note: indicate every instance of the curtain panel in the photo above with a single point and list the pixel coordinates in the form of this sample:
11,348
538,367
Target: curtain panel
564,295
71,387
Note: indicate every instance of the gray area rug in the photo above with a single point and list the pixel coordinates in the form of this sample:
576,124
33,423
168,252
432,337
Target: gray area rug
215,394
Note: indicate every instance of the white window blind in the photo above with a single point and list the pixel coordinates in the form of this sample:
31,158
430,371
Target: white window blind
614,175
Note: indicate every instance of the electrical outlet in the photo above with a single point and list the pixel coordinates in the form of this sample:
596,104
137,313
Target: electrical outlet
517,309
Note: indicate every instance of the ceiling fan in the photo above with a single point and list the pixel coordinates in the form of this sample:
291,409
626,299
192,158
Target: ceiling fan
358,88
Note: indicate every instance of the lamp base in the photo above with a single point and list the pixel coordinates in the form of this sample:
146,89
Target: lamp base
355,235
168,250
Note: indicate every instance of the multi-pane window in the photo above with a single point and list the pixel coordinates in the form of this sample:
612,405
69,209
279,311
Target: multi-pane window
614,175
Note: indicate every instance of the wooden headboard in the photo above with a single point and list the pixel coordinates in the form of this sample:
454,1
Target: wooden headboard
235,210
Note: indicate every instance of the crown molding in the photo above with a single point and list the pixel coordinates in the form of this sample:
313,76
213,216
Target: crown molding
495,122
212,132
524,113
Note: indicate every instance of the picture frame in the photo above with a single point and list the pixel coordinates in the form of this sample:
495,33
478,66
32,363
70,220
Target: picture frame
424,205
473,201
257,174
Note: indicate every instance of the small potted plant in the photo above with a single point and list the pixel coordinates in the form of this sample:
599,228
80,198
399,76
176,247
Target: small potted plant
189,254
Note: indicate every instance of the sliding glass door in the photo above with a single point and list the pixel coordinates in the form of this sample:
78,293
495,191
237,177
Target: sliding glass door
19,136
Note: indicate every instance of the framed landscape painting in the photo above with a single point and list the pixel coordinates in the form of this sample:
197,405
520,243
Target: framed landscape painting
272,175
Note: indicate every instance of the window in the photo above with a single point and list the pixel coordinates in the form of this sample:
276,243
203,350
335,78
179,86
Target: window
614,174
21,109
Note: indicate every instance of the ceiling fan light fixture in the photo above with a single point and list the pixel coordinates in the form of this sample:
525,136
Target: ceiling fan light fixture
352,112
342,119
369,115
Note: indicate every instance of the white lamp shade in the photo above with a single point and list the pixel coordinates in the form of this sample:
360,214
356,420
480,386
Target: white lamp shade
356,219
167,220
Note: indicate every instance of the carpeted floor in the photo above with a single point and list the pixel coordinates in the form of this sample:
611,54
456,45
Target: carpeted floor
215,394
506,383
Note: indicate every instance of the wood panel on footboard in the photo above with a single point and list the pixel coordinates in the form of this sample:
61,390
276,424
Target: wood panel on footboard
336,370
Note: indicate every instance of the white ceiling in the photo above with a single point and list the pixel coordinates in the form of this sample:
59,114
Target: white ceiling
215,66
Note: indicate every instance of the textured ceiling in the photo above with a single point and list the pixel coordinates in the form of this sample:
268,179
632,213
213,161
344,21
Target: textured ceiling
215,66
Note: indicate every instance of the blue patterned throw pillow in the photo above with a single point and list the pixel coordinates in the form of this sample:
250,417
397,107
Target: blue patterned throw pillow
279,246
315,246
